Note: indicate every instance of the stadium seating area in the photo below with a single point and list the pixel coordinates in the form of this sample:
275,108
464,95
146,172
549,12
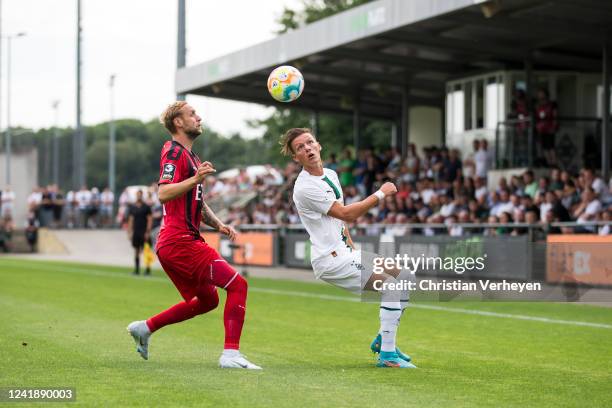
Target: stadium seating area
437,187
440,187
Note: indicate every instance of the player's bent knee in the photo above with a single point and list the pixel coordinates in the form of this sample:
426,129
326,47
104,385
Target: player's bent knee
240,284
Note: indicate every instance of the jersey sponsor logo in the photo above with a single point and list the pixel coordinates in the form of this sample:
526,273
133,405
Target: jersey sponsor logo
168,173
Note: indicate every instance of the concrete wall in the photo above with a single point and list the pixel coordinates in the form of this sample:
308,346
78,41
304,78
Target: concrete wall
24,177
425,127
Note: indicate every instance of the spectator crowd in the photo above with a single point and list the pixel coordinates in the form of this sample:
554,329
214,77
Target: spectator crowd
438,192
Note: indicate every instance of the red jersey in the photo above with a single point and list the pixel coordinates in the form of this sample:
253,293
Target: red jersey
183,214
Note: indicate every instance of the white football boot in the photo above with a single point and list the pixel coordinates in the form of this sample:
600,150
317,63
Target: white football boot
140,333
236,360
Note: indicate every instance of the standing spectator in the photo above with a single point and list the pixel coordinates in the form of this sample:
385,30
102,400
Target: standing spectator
483,160
83,199
45,215
546,126
469,164
71,209
93,209
58,205
107,199
139,229
519,112
122,211
7,201
451,169
34,200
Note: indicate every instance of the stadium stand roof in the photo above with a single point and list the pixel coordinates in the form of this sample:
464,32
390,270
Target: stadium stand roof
378,55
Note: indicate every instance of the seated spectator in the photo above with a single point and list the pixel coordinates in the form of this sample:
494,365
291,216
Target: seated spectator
519,218
588,208
477,213
605,229
453,229
555,179
504,218
491,231
531,187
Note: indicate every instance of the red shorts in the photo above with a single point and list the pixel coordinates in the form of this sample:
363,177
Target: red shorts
191,267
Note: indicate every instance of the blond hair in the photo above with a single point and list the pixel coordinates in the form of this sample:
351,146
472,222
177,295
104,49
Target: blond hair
289,137
170,113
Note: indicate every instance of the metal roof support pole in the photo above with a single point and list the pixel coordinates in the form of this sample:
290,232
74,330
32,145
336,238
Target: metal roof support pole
405,130
79,134
528,91
356,123
605,117
181,49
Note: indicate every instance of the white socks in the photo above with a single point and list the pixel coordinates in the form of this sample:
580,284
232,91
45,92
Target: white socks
391,308
390,313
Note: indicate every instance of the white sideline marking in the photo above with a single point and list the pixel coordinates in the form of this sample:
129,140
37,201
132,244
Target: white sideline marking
441,308
96,272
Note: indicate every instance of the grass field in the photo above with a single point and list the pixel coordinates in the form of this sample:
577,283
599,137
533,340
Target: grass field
64,325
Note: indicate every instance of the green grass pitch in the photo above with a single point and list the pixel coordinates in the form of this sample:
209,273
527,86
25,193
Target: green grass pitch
64,325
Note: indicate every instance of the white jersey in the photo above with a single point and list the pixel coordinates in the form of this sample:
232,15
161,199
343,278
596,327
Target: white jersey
313,197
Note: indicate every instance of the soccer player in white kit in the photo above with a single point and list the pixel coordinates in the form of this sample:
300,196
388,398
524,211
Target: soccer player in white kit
317,195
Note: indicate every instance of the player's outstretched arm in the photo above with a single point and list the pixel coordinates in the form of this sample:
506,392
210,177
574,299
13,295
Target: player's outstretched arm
350,213
171,191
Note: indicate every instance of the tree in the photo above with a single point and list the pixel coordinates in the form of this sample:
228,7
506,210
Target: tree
137,152
313,10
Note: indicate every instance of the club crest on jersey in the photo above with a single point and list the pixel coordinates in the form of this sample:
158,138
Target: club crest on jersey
168,173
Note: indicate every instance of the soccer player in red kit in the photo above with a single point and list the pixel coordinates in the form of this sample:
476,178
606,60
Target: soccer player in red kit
196,269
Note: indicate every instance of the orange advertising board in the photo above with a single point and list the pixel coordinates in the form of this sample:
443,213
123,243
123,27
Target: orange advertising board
254,248
579,259
212,239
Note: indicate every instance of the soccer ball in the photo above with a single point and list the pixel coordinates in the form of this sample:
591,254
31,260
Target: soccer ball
285,83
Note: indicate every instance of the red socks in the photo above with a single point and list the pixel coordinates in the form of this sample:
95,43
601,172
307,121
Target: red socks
183,311
233,315
221,275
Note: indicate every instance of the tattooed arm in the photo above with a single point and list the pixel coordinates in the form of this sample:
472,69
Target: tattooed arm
209,218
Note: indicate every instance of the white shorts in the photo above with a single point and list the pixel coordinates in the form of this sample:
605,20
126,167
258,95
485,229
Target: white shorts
349,270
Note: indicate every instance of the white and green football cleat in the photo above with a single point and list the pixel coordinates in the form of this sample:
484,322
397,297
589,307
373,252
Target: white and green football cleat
389,359
375,347
140,333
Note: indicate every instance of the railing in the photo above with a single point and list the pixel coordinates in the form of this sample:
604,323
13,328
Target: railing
534,230
578,142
